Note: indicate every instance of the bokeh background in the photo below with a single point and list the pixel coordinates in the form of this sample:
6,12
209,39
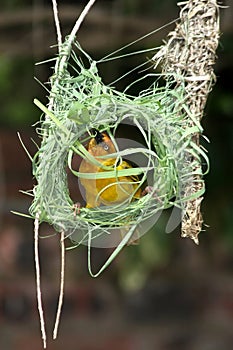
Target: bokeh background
166,293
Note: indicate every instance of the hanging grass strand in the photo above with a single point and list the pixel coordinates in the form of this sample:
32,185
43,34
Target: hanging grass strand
38,284
62,280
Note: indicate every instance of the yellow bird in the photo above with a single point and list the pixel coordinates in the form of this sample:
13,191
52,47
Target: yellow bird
107,191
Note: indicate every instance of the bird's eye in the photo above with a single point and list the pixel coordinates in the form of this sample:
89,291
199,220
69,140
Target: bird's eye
105,146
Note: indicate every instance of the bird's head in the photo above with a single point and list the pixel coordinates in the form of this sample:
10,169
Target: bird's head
101,144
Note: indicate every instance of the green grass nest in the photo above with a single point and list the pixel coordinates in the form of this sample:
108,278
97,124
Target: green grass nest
83,102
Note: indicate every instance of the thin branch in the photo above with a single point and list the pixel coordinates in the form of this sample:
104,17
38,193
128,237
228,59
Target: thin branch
63,57
38,285
57,24
63,61
60,67
60,301
80,19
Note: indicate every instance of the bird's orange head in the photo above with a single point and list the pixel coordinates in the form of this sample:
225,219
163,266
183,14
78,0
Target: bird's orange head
101,144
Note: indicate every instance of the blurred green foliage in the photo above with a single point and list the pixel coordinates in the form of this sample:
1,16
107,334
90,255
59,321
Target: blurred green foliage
14,4
147,7
17,88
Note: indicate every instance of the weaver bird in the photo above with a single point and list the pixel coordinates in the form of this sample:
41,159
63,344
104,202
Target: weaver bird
107,191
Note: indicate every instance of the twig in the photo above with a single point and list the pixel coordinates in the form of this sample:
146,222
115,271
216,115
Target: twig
80,19
57,24
62,60
38,286
64,52
60,301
